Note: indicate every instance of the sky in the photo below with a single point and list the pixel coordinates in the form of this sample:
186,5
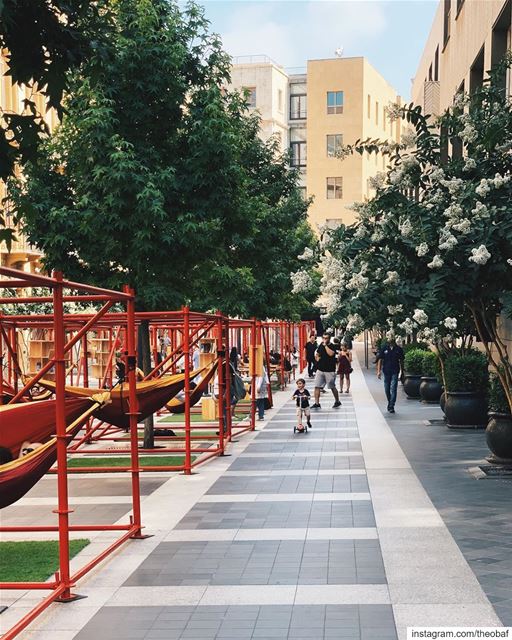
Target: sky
390,33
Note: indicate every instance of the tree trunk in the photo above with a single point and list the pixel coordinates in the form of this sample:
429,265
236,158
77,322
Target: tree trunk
144,351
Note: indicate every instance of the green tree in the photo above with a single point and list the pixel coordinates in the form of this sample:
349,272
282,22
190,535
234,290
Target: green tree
156,177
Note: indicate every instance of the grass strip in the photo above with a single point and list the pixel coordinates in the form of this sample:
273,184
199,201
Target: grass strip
145,461
34,560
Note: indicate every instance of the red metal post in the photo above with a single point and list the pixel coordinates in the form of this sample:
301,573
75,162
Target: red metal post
227,378
221,383
62,510
85,361
186,361
253,373
134,410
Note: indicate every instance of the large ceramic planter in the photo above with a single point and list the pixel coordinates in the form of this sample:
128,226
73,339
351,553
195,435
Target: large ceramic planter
442,401
465,410
412,386
430,390
499,437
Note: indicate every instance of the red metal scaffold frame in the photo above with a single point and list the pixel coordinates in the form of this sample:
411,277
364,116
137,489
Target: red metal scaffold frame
61,587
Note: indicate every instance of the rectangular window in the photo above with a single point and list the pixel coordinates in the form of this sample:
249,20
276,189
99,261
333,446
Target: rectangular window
447,16
377,113
280,100
334,144
459,7
303,192
298,107
334,188
251,96
298,154
436,65
335,102
369,107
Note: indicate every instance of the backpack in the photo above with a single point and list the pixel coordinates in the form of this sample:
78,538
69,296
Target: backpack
238,390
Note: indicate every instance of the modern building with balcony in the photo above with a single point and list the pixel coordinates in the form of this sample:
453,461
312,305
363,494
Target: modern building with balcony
332,102
467,38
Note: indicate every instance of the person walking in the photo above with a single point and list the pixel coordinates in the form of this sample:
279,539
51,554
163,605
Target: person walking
345,367
310,350
325,376
294,361
261,393
390,361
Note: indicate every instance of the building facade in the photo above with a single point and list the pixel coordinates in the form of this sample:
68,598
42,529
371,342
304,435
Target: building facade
334,102
467,38
21,255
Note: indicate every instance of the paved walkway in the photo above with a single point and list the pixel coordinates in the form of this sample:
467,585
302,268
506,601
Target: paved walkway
328,535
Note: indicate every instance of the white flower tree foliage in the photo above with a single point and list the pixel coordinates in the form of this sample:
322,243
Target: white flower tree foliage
437,236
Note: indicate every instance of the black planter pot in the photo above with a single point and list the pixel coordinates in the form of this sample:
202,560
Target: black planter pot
430,390
499,437
465,410
412,386
442,401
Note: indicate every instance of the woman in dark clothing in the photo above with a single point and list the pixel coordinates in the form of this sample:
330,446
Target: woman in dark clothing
233,358
345,367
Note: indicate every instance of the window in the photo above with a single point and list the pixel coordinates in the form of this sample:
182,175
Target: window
459,7
334,188
298,154
251,96
335,102
369,107
303,193
447,10
334,144
280,100
298,107
376,113
436,65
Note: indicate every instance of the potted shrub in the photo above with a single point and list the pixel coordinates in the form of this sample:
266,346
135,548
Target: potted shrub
466,379
499,428
430,387
413,368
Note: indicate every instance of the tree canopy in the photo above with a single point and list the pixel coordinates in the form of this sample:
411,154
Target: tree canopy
157,177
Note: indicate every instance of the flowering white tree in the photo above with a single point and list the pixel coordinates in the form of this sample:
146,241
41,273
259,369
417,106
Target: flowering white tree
436,240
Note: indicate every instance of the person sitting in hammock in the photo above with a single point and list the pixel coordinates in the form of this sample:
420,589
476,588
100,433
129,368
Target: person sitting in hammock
27,447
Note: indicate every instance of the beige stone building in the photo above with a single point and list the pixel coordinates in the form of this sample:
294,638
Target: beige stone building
334,102
22,254
466,39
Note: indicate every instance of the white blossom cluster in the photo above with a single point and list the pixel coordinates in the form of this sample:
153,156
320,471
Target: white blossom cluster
307,254
355,323
408,326
393,310
450,323
427,334
408,138
422,249
377,181
469,133
437,175
420,316
446,240
454,186
357,282
394,111
301,281
470,164
405,228
436,263
480,255
392,277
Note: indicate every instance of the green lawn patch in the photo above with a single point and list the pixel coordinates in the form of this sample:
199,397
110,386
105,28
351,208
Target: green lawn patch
145,461
33,561
181,418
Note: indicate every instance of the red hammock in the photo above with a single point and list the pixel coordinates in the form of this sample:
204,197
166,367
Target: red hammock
35,422
178,406
151,394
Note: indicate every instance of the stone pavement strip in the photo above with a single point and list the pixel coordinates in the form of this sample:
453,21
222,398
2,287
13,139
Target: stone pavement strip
328,535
